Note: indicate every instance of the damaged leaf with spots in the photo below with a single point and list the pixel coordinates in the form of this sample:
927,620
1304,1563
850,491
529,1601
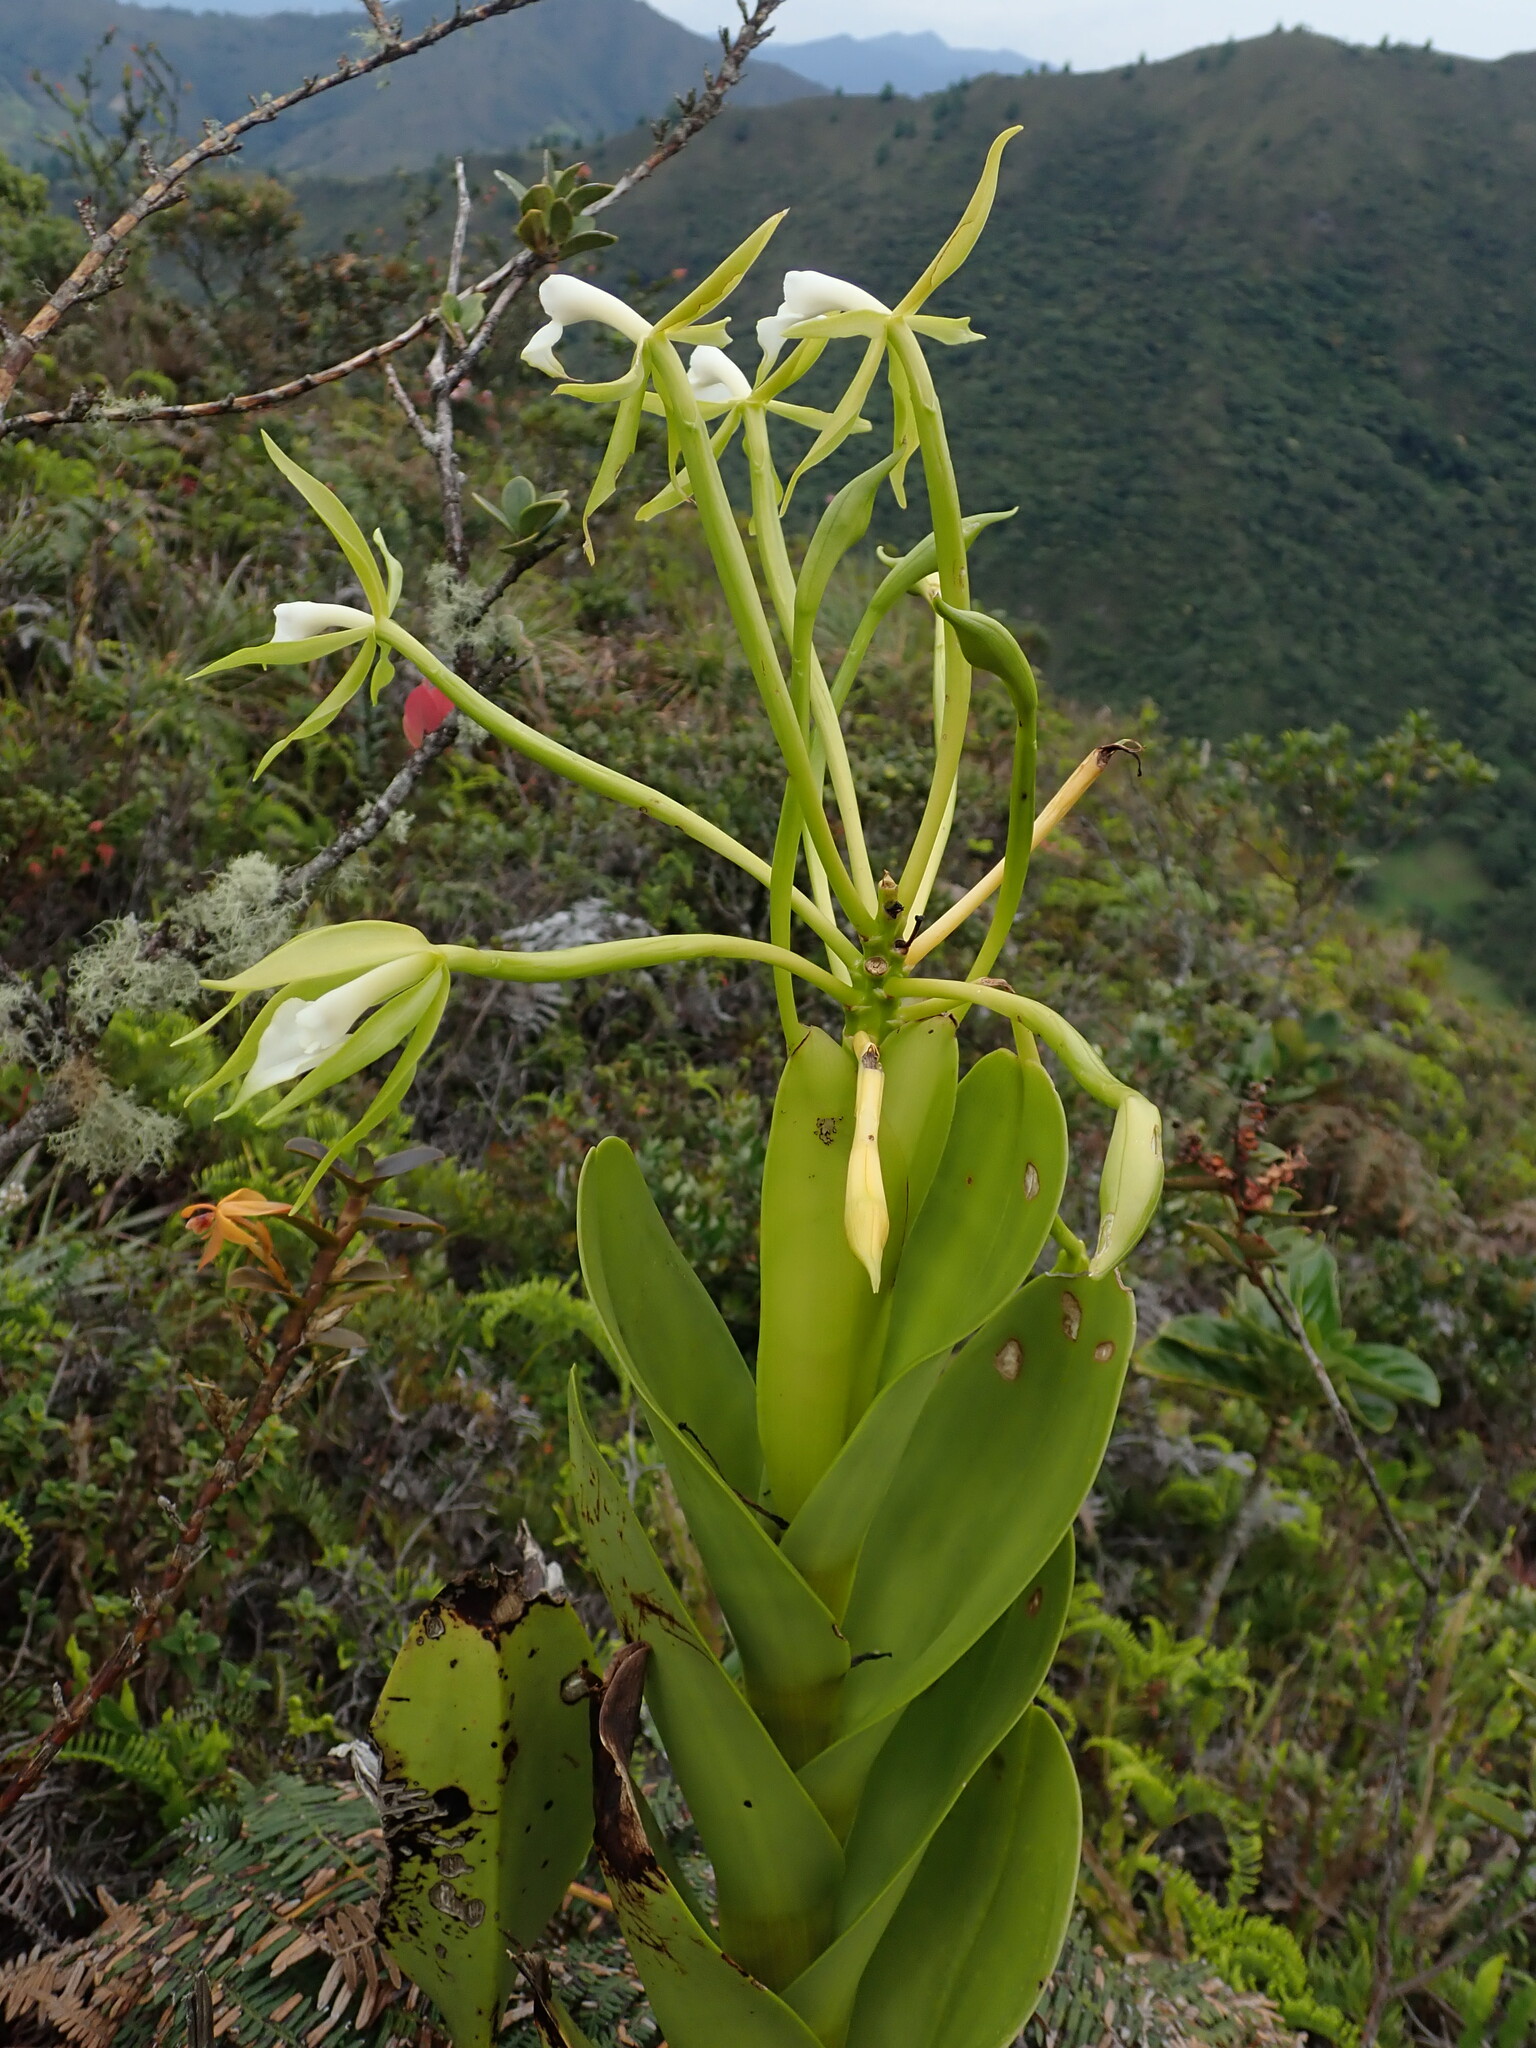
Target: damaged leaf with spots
484,1787
697,1992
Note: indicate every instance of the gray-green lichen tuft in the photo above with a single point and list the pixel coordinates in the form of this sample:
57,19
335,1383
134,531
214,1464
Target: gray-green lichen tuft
114,1133
238,918
112,973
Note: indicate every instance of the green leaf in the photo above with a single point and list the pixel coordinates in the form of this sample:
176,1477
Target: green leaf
698,1399
823,1540
974,1941
585,239
1491,1807
483,1835
701,1996
988,1213
336,950
935,1750
621,445
1389,1370
515,186
818,1314
662,1322
1006,1450
777,1864
343,528
328,708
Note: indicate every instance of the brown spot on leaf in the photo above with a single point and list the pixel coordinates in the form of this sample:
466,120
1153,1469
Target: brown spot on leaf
621,1840
1071,1316
1103,1352
1035,1602
1009,1359
1031,1181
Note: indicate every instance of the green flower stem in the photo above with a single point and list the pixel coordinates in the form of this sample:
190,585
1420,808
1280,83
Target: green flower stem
919,901
778,574
608,782
618,956
786,845
954,585
1070,1047
734,569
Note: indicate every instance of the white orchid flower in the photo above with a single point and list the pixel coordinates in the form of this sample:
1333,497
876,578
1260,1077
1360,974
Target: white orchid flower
570,300
302,621
301,1035
808,294
716,379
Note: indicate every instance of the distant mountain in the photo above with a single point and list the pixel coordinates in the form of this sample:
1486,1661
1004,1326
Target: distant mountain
579,69
912,64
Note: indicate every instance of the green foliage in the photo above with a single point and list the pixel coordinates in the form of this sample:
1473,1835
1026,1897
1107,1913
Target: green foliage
1251,1351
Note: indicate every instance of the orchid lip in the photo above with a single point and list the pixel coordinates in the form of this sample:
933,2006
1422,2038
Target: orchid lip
302,621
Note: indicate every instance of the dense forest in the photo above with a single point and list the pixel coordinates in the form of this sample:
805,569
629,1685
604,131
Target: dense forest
1304,1741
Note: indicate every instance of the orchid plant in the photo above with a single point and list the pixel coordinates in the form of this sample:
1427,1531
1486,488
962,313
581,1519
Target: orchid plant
885,1519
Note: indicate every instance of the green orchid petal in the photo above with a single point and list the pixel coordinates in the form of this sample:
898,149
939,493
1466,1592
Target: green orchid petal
848,409
343,528
621,445
393,1093
341,950
952,333
379,1033
677,492
394,573
967,232
328,708
811,416
720,283
282,653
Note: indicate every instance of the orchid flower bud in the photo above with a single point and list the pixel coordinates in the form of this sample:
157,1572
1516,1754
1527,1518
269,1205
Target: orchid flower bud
807,295
866,1219
568,301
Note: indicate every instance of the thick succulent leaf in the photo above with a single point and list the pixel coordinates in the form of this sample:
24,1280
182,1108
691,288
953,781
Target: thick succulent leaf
824,1539
702,1997
687,1372
974,1941
660,1318
344,529
818,1316
777,1863
935,1750
1003,1457
334,951
486,1787
988,1213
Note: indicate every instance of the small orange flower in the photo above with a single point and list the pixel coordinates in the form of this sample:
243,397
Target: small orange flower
233,1221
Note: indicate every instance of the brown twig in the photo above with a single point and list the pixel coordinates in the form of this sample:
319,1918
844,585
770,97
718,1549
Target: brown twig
300,883
156,1610
164,189
1285,1309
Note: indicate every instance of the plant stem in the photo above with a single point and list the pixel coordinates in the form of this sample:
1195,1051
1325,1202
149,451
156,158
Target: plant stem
954,585
608,782
1079,1058
732,565
616,956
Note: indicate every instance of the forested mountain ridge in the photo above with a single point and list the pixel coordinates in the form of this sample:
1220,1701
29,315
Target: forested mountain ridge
588,68
1260,374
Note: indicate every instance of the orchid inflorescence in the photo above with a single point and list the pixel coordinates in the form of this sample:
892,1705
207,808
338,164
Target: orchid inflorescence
342,997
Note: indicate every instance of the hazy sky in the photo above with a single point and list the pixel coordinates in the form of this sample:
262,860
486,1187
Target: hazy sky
1091,33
